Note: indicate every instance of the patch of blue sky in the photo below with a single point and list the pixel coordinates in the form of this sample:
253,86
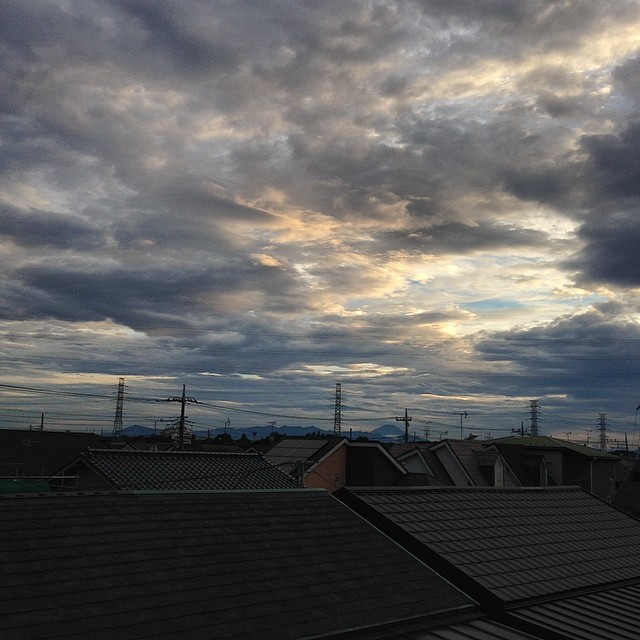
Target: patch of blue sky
491,304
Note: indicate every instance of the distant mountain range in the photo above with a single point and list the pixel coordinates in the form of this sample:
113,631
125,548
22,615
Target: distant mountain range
384,433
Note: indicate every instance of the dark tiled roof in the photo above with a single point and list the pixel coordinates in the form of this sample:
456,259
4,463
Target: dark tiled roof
180,470
604,615
289,451
481,629
276,565
37,453
510,545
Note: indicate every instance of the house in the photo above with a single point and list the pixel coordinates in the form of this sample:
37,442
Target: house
275,565
330,463
422,464
526,462
627,497
127,469
553,561
467,462
541,460
29,458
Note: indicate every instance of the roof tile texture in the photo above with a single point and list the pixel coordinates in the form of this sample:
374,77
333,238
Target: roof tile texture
519,543
275,565
185,470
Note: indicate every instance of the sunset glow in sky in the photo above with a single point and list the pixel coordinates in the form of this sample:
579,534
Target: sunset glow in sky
435,203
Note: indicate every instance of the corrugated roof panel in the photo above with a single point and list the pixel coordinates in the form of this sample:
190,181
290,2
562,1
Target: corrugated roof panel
606,615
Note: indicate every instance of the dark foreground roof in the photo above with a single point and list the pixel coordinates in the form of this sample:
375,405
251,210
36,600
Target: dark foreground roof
604,615
277,565
510,546
481,629
180,470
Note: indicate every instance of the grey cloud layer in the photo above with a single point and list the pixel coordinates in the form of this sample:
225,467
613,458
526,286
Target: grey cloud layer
281,168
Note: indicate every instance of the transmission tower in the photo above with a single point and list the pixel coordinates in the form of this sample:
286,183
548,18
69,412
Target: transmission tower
534,412
602,425
117,421
337,416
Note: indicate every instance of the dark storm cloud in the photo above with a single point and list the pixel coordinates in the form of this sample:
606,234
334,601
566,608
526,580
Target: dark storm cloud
261,188
611,229
613,167
579,355
46,229
610,254
455,237
148,299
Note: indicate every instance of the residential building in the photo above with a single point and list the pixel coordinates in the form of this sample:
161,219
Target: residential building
330,463
127,469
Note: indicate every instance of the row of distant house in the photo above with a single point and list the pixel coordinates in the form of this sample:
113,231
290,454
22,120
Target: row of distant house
43,459
324,539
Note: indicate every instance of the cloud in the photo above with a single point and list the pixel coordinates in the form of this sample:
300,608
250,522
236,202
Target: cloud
277,192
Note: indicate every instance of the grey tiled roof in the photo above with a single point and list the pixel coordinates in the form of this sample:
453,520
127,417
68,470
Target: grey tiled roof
185,470
279,565
511,544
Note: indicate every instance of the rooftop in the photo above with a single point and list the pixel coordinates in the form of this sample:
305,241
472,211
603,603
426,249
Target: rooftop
185,470
278,565
514,544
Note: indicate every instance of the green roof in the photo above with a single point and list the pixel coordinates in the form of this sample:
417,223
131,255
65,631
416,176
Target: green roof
539,442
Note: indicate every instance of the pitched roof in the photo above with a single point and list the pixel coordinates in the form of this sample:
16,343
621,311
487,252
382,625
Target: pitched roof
277,565
41,453
184,470
438,474
286,453
474,458
513,544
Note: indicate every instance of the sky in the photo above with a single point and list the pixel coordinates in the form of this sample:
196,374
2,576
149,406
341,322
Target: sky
433,203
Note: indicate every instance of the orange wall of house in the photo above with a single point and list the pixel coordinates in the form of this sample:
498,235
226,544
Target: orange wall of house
330,473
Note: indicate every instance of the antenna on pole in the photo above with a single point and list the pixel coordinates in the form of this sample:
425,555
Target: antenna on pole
462,415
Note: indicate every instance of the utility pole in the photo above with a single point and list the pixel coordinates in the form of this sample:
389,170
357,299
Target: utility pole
406,419
588,432
463,414
521,430
183,401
